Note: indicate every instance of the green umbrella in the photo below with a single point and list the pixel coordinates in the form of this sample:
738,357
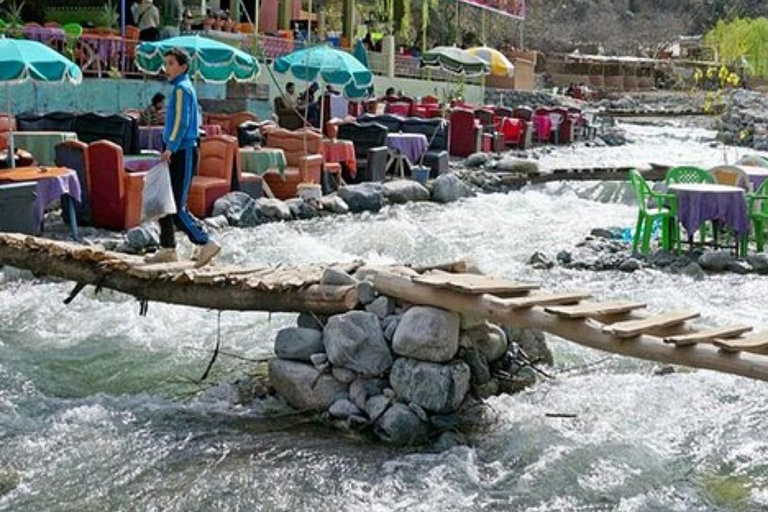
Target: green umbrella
22,60
360,53
454,60
210,60
332,66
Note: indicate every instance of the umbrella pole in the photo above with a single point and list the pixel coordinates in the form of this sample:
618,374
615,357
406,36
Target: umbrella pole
11,150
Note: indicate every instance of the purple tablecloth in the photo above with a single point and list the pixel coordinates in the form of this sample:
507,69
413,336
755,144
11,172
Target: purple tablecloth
412,145
44,34
49,190
140,163
757,175
698,202
151,137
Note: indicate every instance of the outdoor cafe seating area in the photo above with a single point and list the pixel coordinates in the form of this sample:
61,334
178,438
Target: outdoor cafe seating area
725,207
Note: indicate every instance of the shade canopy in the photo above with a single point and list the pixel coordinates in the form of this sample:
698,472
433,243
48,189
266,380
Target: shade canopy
454,60
22,60
210,60
361,54
498,62
329,65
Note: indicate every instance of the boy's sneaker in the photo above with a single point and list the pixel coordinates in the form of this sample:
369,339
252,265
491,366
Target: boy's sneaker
162,256
206,253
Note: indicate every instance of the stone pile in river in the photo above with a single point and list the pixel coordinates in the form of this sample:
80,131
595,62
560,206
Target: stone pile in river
406,373
606,249
745,120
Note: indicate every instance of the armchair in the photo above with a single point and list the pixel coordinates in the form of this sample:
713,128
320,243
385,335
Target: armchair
492,139
304,158
116,196
465,133
371,150
74,154
436,131
214,173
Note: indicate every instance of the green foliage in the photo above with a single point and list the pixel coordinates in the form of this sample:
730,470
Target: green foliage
742,43
64,15
12,14
108,16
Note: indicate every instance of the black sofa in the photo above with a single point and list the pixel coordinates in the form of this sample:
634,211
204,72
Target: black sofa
121,129
371,150
392,123
436,131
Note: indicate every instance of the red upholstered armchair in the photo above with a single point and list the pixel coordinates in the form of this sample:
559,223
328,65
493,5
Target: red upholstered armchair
304,155
493,140
214,173
465,133
116,196
567,125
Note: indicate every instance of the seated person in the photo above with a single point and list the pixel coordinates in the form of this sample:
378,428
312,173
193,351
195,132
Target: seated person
154,114
308,102
286,109
389,95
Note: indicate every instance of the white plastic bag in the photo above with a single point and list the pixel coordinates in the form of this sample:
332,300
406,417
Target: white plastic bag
158,194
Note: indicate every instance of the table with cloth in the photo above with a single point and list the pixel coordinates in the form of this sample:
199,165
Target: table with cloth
406,145
140,163
756,175
52,183
42,145
699,202
343,152
259,162
151,137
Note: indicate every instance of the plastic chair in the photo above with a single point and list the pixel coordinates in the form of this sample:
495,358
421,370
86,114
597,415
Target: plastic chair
757,209
731,175
687,174
666,212
753,160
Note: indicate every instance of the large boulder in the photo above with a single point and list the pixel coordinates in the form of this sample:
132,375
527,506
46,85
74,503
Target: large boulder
448,188
362,389
404,191
488,338
363,197
517,165
240,210
303,386
334,204
301,209
356,342
427,333
400,426
142,237
435,387
533,343
716,261
297,343
273,209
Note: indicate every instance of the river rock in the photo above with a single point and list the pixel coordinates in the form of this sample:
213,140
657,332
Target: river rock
362,389
405,191
311,321
320,361
355,341
301,209
447,188
217,223
9,480
343,408
518,165
142,237
376,405
436,387
240,210
449,440
520,380
540,261
273,209
487,390
630,265
366,292
334,204
488,338
363,197
478,365
715,261
739,267
427,333
533,343
389,326
476,160
337,277
400,426
343,375
759,262
303,386
298,343
382,307
692,269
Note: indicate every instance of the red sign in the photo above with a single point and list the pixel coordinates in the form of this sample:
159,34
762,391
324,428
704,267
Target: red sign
511,8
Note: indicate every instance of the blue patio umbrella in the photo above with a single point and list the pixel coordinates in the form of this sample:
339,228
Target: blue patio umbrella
360,53
326,64
22,60
210,60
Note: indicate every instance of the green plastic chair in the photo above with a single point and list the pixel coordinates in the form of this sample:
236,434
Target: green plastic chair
687,174
757,209
665,211
74,30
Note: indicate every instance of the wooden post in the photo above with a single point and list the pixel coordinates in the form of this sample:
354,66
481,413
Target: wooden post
588,333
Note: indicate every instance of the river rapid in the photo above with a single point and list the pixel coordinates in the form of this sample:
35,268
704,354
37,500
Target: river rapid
100,408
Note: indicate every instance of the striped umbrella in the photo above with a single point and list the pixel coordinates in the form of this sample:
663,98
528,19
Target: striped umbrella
454,60
500,64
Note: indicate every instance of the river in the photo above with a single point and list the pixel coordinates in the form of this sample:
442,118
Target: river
100,408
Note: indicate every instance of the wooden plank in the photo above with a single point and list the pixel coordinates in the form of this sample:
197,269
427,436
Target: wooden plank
593,309
636,327
757,343
708,335
475,284
543,300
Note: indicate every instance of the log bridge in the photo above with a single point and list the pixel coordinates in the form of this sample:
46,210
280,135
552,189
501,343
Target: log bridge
620,327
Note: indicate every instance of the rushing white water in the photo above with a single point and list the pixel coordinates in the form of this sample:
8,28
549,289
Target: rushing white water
99,409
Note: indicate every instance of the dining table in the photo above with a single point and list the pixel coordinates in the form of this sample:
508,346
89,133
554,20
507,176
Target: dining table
700,202
756,175
343,152
51,184
42,145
